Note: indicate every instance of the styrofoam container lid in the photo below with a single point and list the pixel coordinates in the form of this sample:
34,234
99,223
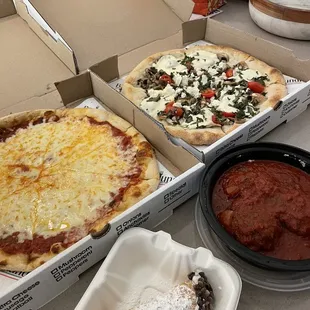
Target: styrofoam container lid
144,264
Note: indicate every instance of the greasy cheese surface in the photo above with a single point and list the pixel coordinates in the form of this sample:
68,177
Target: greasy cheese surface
54,176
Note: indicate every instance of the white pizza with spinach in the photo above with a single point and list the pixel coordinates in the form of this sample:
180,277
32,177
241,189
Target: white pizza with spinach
202,93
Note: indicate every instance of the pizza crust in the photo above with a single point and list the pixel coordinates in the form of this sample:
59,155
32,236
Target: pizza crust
147,182
25,262
275,76
275,92
275,88
196,136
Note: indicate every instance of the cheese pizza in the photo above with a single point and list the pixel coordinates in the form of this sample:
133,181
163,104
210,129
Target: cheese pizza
204,92
65,174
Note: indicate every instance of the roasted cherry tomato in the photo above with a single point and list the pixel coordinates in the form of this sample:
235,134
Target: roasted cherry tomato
228,114
178,112
208,93
215,120
173,110
229,73
166,78
256,87
169,107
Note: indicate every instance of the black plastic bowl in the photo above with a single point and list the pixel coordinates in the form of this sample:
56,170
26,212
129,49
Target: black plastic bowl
253,151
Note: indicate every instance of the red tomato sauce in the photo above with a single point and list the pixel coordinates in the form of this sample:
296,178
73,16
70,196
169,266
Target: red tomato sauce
265,205
40,245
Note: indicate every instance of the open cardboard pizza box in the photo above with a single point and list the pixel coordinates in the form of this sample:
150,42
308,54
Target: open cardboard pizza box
143,28
180,176
201,32
95,30
28,68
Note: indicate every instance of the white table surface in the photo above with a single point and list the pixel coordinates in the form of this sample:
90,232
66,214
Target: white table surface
181,225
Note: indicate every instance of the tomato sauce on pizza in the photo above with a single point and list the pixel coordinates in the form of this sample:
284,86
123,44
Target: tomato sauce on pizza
65,174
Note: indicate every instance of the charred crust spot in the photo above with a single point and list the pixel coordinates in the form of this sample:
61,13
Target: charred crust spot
145,150
136,192
3,262
41,263
48,114
38,121
24,168
31,258
93,231
56,248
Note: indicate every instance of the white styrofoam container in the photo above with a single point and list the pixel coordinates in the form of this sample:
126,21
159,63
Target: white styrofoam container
143,264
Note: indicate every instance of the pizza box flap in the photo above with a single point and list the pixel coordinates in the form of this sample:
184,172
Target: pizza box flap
94,30
89,84
7,8
28,68
214,32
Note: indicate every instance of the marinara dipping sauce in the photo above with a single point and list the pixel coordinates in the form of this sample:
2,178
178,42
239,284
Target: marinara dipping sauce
265,205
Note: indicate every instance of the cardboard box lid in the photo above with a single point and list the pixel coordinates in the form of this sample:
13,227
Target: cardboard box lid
7,8
28,68
273,54
214,32
98,29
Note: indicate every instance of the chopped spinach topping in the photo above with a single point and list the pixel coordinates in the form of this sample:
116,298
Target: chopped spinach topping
157,98
218,114
261,79
186,59
252,110
240,114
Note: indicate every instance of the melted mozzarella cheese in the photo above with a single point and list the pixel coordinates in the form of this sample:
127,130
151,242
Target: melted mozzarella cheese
67,174
169,64
213,71
204,79
206,116
249,74
153,107
203,60
193,91
211,57
177,78
184,80
224,104
168,92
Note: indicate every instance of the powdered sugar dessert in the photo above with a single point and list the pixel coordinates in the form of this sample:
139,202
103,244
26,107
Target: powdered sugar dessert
194,294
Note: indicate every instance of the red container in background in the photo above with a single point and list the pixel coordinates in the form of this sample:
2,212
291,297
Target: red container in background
206,7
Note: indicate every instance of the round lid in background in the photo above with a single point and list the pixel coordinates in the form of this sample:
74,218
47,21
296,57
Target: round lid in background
296,4
286,18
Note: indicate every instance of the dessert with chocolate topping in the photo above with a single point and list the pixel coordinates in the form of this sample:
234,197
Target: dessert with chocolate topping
194,294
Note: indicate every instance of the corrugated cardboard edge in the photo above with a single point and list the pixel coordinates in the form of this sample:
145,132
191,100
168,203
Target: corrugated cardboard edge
7,8
59,49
